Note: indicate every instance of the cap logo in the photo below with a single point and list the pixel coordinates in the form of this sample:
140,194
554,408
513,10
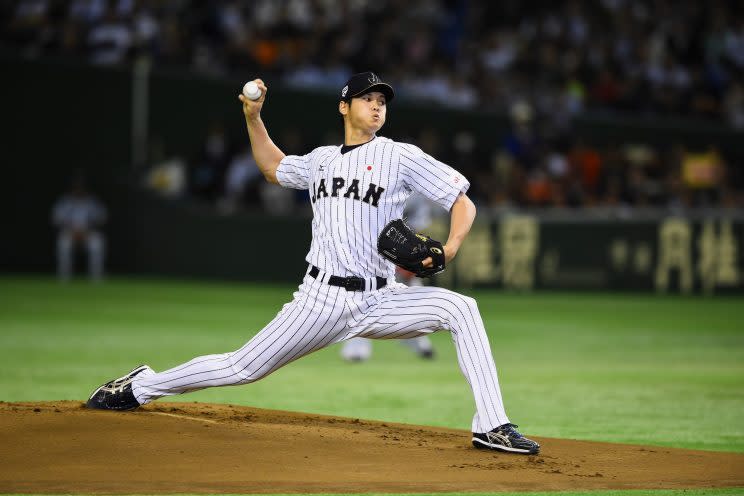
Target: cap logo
343,91
373,78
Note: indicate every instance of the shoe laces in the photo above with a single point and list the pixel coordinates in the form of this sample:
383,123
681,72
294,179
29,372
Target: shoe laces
509,430
117,386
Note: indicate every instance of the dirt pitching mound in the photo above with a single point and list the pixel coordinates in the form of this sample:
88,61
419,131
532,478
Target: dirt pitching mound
61,447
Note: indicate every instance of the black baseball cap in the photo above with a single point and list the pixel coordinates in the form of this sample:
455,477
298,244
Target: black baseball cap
364,82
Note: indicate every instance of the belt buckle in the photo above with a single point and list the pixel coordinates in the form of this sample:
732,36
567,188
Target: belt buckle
350,283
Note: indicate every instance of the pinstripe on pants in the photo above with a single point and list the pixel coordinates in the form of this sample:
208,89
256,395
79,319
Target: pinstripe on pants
321,315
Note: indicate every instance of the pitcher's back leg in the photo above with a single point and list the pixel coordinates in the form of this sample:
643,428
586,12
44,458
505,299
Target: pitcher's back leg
410,312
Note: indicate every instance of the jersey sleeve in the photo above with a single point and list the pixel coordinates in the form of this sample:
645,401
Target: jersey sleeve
434,179
294,171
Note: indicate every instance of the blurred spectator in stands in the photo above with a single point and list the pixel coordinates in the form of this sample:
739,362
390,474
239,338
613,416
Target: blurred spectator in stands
88,11
168,173
460,94
539,189
565,189
682,57
79,217
502,182
734,105
111,40
586,166
523,142
642,187
606,90
612,183
241,173
276,200
146,28
565,171
703,173
678,197
171,43
30,27
207,175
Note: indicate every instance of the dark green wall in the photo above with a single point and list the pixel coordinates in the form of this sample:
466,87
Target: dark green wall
156,236
56,119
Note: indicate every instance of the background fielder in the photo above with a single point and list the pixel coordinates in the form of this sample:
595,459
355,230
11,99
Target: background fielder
349,290
79,216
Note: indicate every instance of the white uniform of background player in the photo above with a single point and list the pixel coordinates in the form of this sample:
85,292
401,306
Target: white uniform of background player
79,215
349,289
418,215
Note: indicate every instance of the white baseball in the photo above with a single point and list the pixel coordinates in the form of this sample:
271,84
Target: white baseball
250,90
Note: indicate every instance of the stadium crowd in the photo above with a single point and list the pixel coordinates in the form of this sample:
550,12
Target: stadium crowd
653,56
523,168
540,62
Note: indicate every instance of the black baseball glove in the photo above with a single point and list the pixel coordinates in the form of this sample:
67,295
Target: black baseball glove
408,249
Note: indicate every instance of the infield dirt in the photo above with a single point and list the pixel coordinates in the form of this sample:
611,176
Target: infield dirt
61,447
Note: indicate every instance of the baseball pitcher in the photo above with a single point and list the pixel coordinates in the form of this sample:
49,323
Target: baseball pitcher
358,191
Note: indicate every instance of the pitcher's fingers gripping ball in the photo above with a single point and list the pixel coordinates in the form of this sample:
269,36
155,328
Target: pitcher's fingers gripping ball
252,91
253,96
356,189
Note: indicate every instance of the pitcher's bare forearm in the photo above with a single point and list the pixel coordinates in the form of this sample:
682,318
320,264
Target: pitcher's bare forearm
462,216
266,154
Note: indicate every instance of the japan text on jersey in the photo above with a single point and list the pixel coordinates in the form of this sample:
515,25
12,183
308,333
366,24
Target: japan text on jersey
355,194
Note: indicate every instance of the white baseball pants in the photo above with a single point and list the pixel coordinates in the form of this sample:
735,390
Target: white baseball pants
321,315
95,245
361,349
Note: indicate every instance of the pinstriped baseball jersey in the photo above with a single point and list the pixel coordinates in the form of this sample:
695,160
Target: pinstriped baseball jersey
355,194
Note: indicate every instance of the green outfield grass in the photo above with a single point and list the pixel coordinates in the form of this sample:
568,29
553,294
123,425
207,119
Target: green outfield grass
622,368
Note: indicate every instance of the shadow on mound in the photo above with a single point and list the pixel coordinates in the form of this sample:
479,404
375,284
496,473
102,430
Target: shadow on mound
62,447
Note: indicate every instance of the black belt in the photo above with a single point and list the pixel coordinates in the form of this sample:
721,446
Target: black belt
350,283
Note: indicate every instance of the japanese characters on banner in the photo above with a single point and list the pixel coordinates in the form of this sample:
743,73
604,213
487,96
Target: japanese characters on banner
674,254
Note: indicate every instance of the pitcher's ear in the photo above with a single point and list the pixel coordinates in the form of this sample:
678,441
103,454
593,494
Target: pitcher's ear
343,107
